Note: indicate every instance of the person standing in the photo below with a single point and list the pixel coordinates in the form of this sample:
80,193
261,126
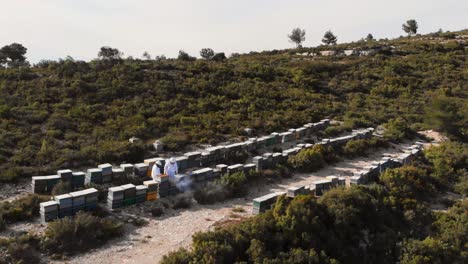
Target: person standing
171,168
156,170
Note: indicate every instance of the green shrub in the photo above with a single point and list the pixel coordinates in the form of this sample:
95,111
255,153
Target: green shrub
79,233
23,253
461,187
397,129
308,160
182,201
408,182
234,184
21,209
211,193
361,147
10,175
175,141
449,161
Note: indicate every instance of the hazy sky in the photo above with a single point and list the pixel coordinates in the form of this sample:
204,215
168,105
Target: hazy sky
53,29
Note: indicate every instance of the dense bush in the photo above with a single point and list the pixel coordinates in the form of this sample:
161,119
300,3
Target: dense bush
408,182
308,160
21,209
10,175
21,249
212,193
182,201
360,147
449,160
234,184
397,129
79,233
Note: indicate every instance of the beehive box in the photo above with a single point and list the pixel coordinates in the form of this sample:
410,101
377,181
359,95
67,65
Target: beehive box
48,211
152,185
194,159
151,196
141,193
129,191
49,206
182,163
93,176
78,179
222,168
65,175
128,169
79,201
249,168
259,161
141,170
261,204
296,190
65,201
52,180
106,169
39,184
91,198
321,186
235,168
207,158
118,173
115,193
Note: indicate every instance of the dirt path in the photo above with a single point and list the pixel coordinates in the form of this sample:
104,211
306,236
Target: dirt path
165,234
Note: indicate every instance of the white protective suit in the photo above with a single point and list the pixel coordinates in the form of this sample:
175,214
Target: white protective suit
171,169
155,172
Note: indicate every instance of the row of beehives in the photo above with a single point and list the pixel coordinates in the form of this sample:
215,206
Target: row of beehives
129,194
317,188
368,174
186,181
105,173
68,204
216,154
183,182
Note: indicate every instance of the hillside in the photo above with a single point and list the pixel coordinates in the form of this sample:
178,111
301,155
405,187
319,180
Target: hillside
74,113
383,179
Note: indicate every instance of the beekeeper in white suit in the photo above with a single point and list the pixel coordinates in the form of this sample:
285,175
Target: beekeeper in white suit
156,171
170,168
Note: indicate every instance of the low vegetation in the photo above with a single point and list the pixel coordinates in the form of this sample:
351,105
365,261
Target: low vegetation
362,147
79,233
21,209
71,113
386,223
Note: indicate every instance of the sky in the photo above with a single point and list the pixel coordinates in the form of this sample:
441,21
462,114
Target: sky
54,29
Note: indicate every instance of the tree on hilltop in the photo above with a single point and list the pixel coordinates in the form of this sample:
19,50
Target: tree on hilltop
207,53
410,27
13,55
329,38
369,37
108,53
297,36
